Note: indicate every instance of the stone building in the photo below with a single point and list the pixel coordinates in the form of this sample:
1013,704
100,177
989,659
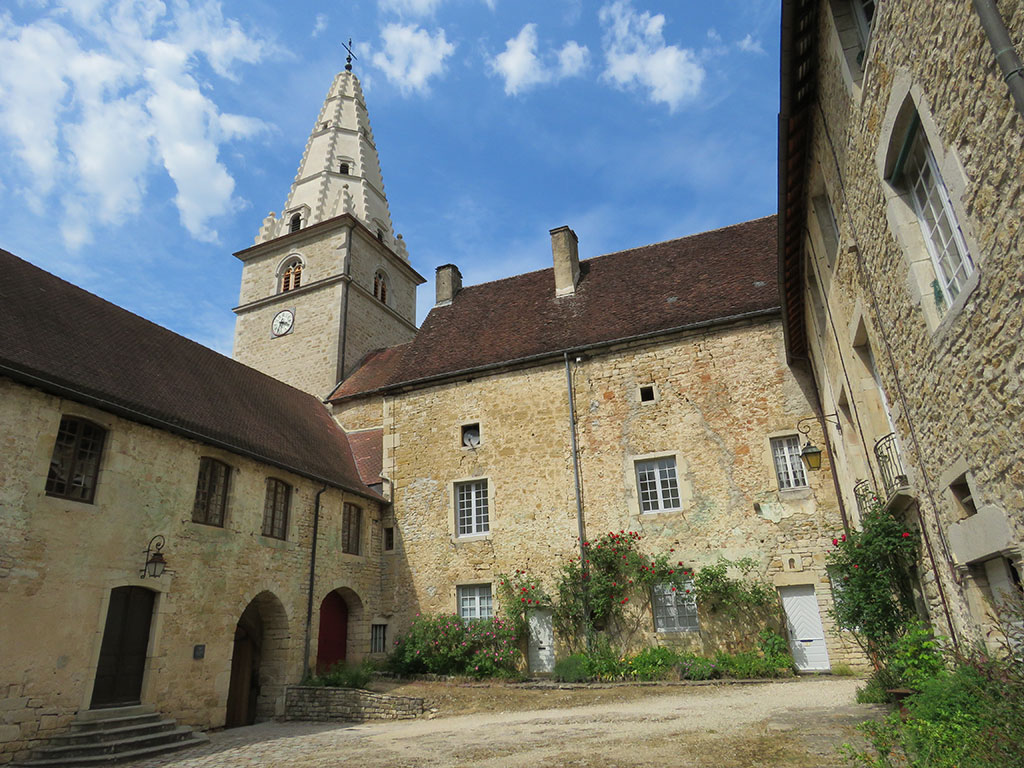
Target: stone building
900,257
125,444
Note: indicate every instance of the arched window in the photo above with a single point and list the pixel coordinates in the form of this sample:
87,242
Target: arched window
343,168
380,287
295,223
291,277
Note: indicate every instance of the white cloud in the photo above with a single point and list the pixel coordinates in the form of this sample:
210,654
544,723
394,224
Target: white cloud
750,45
113,99
522,68
411,7
319,24
411,56
637,56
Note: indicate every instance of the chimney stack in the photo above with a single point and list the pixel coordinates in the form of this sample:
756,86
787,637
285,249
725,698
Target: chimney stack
447,282
565,249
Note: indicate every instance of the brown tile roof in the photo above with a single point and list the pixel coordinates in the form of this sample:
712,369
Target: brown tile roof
66,341
368,450
656,288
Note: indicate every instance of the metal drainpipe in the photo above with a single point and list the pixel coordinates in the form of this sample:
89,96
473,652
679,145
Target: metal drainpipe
312,577
580,524
1006,55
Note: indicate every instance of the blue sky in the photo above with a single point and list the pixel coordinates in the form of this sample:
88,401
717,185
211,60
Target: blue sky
142,142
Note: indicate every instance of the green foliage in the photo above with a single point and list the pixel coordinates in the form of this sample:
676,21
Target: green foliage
593,592
872,572
915,657
748,665
654,663
875,690
843,670
572,669
690,667
518,595
451,645
342,675
717,590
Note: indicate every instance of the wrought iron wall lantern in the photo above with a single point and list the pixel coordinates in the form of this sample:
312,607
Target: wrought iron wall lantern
155,561
810,453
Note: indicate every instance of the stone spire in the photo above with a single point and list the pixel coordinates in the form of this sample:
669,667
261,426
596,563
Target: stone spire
339,172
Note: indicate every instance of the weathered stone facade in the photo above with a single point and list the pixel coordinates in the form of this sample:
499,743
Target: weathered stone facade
347,704
61,559
891,351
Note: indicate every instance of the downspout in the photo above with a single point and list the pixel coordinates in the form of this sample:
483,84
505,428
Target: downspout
312,577
580,524
345,265
1006,55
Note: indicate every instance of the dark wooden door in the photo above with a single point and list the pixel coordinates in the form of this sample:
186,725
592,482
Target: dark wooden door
333,639
124,648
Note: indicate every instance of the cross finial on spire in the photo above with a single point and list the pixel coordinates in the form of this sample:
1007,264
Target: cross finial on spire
350,57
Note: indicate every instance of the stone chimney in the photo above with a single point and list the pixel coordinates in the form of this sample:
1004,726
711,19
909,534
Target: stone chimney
565,249
447,282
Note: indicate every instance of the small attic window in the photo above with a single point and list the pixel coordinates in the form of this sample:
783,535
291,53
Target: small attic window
380,234
325,126
343,168
295,223
470,434
647,393
380,287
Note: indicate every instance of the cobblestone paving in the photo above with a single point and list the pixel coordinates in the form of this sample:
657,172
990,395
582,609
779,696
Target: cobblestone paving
798,725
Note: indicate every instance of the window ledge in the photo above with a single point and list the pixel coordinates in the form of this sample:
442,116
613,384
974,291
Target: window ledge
217,531
272,543
669,510
794,494
941,331
69,504
471,537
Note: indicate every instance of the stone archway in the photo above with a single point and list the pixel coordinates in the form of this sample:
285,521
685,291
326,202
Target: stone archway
258,661
341,613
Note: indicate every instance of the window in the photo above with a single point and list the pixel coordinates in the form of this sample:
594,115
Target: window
647,394
675,608
475,601
291,277
275,509
961,490
829,227
917,171
211,492
351,527
864,14
471,513
656,482
389,538
75,463
789,467
380,235
343,167
380,287
295,223
470,435
378,638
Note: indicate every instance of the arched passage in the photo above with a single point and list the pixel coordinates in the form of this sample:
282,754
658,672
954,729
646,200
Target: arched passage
258,661
340,613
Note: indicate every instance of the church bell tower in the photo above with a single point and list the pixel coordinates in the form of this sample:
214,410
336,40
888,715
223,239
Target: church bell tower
328,280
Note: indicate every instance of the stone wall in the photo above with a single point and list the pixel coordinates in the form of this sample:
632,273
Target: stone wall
720,396
60,559
951,376
347,704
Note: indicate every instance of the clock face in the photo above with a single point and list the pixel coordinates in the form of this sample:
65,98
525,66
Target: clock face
283,322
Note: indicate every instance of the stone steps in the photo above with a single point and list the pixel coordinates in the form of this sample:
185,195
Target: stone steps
108,736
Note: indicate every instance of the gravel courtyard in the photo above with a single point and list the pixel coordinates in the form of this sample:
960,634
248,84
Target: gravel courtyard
794,724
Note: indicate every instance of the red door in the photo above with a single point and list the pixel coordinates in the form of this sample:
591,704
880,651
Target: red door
333,638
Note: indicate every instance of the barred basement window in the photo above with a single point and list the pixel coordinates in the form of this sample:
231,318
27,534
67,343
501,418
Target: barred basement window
475,601
472,514
789,467
75,463
675,608
351,529
657,485
275,508
378,638
211,492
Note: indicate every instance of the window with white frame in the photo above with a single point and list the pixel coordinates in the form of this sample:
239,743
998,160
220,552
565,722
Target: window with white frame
378,638
472,514
657,485
675,608
864,14
475,601
917,171
789,467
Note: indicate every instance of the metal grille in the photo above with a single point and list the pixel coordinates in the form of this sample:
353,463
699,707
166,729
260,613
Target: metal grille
75,463
789,468
675,608
472,511
378,638
656,482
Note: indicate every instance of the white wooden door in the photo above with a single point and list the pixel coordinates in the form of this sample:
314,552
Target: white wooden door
541,647
806,637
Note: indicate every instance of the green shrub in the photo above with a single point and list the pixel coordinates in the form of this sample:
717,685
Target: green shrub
572,669
914,658
342,675
690,667
843,670
654,663
606,664
451,645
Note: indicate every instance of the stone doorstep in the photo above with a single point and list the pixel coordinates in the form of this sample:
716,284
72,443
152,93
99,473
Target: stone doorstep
76,736
113,723
103,760
109,747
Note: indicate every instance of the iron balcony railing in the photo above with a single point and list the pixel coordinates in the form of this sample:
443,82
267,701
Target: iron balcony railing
864,495
889,464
